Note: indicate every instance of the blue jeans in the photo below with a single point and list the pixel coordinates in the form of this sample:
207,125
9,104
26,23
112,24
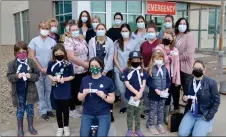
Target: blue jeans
103,126
22,107
44,85
120,86
195,126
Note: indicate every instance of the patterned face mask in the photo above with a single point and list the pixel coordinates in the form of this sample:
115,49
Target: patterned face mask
95,70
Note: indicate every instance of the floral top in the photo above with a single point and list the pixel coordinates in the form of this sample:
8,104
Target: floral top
80,49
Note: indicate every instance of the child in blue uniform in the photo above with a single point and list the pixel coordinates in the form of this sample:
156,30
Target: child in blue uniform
135,80
22,74
60,71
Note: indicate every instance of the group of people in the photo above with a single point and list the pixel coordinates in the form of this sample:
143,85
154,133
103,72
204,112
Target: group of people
85,70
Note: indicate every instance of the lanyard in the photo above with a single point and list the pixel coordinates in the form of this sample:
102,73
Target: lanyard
196,89
129,76
178,41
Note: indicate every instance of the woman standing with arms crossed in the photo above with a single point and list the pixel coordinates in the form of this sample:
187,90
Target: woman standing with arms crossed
123,47
77,52
103,47
40,50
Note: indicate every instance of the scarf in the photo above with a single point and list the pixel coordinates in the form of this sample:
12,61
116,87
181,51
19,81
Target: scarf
129,76
20,66
57,62
160,71
194,106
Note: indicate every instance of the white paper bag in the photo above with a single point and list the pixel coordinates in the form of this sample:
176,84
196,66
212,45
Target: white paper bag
133,102
164,94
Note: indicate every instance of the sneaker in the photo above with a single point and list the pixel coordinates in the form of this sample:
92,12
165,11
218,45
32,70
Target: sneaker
67,132
153,130
45,117
112,117
146,112
79,109
139,133
59,132
129,133
50,114
123,110
142,116
161,129
75,114
147,124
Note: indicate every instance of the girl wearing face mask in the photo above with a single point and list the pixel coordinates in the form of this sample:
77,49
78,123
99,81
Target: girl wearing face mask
185,43
92,32
159,84
22,74
203,101
40,50
123,47
61,72
135,81
140,33
84,23
114,32
66,32
97,93
173,66
169,24
77,52
54,30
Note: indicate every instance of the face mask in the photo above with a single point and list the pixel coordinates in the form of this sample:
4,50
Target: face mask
125,34
44,32
94,70
166,41
141,25
21,56
159,62
100,32
84,19
94,25
54,29
168,25
151,35
118,22
135,64
75,34
197,73
67,29
59,57
182,28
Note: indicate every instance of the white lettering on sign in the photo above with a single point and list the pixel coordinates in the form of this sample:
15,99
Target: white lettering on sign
161,8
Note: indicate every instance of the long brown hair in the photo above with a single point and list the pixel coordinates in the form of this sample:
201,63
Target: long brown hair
171,32
88,22
156,54
59,47
120,41
140,17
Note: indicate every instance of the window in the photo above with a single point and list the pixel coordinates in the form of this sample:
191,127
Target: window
63,12
17,26
182,10
25,21
98,8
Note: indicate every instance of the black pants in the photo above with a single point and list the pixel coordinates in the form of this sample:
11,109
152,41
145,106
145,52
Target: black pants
75,87
110,75
175,93
62,112
184,80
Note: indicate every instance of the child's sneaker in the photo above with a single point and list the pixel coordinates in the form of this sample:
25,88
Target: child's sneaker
59,132
153,130
139,133
67,132
123,110
129,133
161,129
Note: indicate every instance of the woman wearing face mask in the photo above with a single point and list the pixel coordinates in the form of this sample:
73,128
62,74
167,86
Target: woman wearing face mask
54,30
185,43
114,32
140,33
40,49
103,47
169,24
203,101
123,47
66,32
173,66
92,32
97,93
84,23
77,52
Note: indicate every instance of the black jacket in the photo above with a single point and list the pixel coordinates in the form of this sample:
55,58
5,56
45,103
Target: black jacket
208,97
89,34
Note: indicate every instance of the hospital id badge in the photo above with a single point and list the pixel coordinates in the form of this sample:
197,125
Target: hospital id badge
133,102
92,90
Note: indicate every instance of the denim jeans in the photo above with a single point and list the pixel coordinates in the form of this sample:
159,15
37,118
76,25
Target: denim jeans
44,85
22,107
120,86
195,126
104,122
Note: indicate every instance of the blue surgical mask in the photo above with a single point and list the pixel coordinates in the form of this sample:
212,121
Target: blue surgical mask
151,35
67,29
100,32
118,22
54,29
141,25
75,34
182,28
125,34
84,19
168,25
94,25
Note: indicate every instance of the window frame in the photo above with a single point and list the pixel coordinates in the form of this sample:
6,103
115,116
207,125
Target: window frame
28,27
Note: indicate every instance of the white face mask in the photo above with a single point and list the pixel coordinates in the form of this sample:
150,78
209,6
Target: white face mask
44,32
84,19
67,28
168,25
94,25
75,34
159,62
151,35
54,29
182,28
118,22
100,32
141,25
125,34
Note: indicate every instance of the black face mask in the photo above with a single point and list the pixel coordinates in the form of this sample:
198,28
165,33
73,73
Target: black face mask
135,64
197,73
166,41
59,57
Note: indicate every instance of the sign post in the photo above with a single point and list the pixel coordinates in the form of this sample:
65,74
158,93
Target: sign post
160,8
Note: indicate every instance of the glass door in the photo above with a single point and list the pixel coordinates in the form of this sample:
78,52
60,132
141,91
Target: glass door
159,20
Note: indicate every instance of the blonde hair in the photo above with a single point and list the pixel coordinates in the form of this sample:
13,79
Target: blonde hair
45,24
97,17
170,32
53,20
156,54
